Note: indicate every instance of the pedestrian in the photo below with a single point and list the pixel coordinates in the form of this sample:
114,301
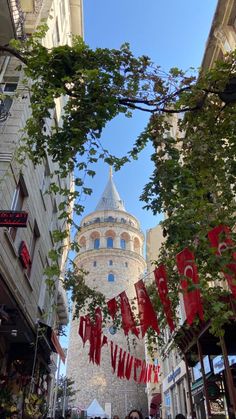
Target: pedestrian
180,416
116,417
135,414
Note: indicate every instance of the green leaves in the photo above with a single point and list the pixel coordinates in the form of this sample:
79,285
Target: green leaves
193,182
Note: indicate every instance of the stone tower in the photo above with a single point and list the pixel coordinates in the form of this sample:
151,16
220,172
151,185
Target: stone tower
111,244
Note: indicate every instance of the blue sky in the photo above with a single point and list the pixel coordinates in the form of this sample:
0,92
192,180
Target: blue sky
172,33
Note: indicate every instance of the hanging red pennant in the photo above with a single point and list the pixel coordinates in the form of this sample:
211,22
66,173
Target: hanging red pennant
104,341
147,314
128,366
156,369
143,374
84,328
128,322
88,327
112,307
98,335
221,240
113,356
92,341
81,330
161,282
149,373
137,365
192,298
121,364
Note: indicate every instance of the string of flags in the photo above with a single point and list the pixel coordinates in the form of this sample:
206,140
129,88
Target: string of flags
220,239
122,362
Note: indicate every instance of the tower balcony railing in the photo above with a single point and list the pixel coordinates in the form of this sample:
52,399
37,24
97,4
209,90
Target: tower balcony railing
110,219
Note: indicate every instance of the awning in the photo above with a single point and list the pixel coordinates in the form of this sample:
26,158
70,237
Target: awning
197,386
57,346
52,340
155,404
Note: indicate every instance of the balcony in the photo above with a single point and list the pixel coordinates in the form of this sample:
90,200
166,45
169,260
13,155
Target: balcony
11,21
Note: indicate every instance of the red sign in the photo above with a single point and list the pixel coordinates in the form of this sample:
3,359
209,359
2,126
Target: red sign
24,255
13,218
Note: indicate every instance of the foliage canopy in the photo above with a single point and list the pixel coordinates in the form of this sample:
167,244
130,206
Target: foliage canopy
192,129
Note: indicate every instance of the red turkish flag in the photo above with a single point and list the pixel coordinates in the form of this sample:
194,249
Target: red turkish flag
128,322
147,314
221,240
128,367
112,307
121,364
192,298
113,356
161,282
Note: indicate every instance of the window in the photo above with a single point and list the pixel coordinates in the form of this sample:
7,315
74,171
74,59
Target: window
123,244
7,89
110,262
17,202
96,244
94,263
46,178
126,264
43,288
109,242
111,277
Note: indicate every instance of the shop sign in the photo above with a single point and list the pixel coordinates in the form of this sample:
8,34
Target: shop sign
24,255
218,363
174,374
13,219
197,373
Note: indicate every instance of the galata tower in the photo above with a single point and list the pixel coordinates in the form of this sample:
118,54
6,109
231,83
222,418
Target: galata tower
111,246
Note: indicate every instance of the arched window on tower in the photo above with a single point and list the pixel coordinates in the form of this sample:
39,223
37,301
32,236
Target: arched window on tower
125,241
123,244
109,242
96,243
111,277
94,240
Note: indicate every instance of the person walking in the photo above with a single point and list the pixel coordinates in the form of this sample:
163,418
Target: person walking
135,414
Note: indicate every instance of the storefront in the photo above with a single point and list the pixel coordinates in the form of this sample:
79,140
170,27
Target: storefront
25,354
175,394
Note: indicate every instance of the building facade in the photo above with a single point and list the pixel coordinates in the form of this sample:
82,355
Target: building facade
111,245
31,316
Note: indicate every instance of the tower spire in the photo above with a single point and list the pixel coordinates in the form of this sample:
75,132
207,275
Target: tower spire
110,172
110,199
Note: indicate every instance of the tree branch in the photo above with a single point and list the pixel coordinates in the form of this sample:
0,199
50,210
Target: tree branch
13,52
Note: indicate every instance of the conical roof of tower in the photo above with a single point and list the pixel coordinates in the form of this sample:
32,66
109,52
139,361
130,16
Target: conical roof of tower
110,199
